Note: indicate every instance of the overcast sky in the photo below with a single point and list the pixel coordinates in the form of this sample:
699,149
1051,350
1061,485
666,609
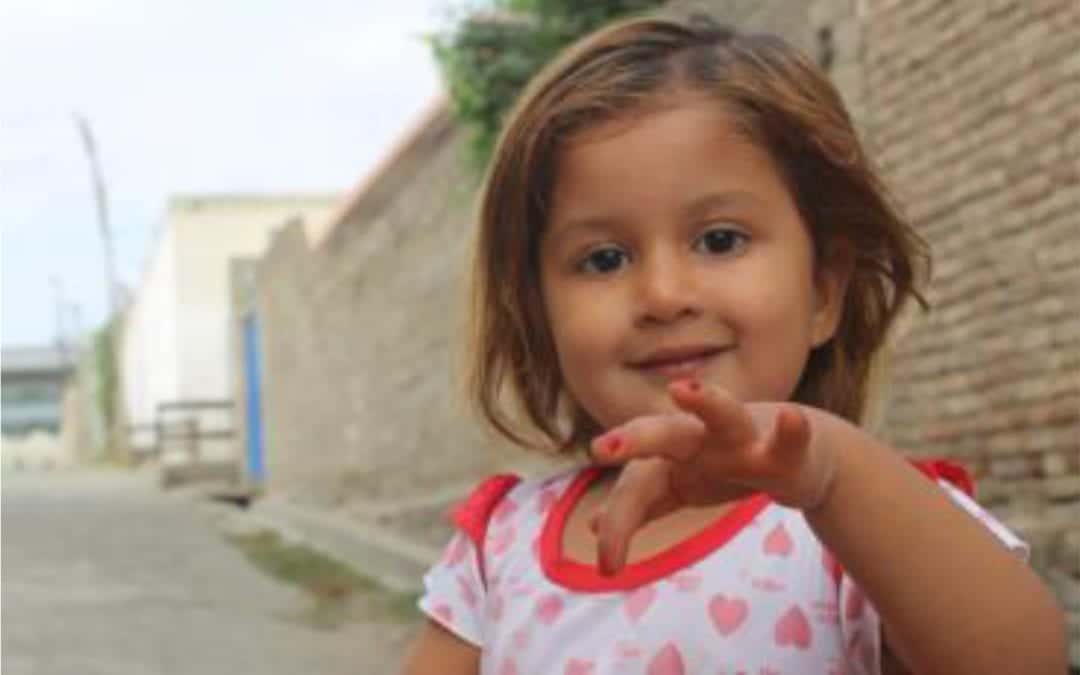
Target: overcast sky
183,96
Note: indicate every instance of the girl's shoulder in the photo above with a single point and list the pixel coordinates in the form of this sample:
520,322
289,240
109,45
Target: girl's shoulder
499,496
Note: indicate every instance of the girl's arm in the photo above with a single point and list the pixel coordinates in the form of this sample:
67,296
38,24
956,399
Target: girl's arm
952,598
438,651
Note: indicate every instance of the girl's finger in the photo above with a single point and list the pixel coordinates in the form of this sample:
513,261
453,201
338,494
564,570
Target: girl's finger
790,433
726,418
676,436
640,493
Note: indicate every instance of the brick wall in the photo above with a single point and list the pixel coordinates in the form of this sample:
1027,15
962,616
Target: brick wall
978,126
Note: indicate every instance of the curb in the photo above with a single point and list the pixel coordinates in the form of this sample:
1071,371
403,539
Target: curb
389,559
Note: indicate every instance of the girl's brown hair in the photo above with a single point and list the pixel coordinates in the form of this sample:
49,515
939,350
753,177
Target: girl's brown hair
779,99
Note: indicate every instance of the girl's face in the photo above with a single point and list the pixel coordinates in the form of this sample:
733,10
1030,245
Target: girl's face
675,250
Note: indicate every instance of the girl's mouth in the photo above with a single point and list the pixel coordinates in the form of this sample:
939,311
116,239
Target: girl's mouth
678,362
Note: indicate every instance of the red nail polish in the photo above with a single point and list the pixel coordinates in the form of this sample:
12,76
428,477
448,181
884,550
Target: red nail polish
613,445
604,564
687,385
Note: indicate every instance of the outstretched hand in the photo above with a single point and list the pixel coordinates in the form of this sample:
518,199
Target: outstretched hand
713,447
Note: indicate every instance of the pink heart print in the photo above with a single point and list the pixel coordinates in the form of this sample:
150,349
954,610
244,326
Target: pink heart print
457,550
546,500
831,565
548,608
778,542
444,612
468,594
627,650
856,601
768,585
668,661
502,540
520,588
579,667
638,602
793,629
686,581
508,667
521,638
727,614
862,650
504,510
497,605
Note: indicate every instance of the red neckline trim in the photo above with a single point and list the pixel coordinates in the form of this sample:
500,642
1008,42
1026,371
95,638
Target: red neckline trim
579,576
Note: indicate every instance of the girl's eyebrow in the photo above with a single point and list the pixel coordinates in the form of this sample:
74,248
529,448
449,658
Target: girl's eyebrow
699,207
582,225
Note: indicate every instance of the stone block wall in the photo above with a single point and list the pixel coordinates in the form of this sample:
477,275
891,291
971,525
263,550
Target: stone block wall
360,337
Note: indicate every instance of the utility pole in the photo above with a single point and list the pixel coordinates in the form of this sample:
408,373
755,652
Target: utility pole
103,213
107,367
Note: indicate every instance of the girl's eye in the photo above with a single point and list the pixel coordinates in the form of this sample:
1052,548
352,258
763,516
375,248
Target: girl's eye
720,240
602,261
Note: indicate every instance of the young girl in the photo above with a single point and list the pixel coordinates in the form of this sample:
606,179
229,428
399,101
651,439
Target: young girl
686,267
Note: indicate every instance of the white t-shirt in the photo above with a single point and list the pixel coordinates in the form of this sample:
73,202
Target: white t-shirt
753,593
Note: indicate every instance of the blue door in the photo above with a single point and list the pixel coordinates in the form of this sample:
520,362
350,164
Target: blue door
256,470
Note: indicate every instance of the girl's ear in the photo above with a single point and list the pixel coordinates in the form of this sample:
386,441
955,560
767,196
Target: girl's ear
831,279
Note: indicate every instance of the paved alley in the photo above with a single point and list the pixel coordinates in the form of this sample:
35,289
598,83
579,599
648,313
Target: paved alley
104,573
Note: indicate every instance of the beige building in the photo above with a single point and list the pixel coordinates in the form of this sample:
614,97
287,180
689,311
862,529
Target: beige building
175,343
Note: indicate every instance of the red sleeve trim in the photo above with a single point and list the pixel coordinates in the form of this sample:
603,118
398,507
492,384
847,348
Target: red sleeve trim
473,513
944,469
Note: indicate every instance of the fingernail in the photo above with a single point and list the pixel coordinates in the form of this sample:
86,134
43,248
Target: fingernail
690,385
612,445
605,564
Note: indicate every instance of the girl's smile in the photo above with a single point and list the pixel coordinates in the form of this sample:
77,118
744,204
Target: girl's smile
678,361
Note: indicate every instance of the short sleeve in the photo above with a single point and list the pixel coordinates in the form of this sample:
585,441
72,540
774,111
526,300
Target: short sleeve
453,591
1003,534
959,486
860,624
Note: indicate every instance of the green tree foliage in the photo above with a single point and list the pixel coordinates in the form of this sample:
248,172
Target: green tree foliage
490,54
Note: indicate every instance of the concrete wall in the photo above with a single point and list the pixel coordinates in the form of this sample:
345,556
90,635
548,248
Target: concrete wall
357,334
210,233
84,432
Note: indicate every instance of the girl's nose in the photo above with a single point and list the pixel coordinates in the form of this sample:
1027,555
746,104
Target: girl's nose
666,289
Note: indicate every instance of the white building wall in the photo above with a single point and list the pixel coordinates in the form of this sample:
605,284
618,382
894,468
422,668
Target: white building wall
210,233
150,361
177,337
